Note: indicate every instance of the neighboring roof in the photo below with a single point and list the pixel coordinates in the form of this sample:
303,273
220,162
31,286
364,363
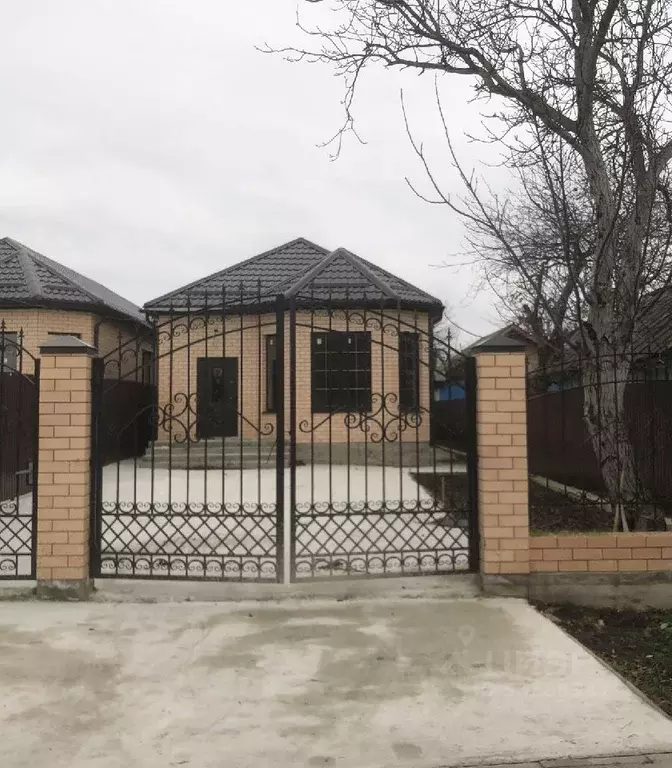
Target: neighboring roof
509,335
653,330
29,279
304,271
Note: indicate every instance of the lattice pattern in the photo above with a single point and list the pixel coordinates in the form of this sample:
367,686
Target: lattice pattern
16,539
365,541
211,541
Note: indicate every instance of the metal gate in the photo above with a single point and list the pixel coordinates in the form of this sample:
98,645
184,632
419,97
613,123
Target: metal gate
19,398
281,439
382,474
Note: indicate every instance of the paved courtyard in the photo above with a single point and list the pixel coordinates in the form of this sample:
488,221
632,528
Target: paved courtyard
363,684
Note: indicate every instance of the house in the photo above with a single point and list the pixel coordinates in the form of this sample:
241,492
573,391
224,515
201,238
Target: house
40,298
356,343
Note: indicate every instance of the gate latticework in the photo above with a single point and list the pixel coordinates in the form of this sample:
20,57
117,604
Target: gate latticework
19,396
284,438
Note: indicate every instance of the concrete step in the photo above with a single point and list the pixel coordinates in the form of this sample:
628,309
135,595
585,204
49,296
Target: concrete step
200,464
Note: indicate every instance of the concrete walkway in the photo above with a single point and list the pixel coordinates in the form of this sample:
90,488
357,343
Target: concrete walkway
368,683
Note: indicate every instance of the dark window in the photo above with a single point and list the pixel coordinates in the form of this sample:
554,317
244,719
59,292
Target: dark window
271,373
409,371
217,385
341,371
147,366
9,350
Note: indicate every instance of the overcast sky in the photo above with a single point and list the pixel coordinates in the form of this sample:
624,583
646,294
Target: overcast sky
147,143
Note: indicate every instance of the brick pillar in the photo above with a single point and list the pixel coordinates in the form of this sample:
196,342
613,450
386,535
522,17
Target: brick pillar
502,461
64,455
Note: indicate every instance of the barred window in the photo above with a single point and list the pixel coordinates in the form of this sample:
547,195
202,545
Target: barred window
409,371
341,371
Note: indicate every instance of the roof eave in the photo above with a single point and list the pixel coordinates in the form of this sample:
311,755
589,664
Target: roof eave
73,306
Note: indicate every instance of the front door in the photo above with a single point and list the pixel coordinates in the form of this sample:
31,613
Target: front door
217,410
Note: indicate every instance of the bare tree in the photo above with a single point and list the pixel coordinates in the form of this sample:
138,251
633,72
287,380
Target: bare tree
593,79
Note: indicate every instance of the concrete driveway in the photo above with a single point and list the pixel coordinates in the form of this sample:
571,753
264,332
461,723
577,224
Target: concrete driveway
386,682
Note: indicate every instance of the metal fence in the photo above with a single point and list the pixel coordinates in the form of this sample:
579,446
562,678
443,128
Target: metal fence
592,420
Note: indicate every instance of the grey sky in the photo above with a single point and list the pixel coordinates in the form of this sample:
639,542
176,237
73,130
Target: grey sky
147,143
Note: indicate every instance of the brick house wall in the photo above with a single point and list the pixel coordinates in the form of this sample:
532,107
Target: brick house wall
179,349
38,324
121,345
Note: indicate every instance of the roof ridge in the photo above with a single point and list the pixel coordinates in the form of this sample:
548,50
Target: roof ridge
295,287
52,266
219,272
354,261
90,291
364,268
29,271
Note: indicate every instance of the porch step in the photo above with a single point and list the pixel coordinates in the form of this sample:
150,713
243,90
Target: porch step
234,453
214,453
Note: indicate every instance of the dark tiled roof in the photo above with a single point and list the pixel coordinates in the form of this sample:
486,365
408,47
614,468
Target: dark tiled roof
29,279
508,335
302,270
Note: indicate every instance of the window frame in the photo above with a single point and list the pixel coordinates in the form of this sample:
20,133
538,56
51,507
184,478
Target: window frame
341,376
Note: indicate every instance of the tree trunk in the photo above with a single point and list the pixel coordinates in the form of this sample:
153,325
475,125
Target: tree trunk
604,383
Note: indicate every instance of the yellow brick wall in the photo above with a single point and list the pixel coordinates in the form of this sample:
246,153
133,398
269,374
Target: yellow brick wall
601,553
180,348
37,324
64,468
502,463
120,345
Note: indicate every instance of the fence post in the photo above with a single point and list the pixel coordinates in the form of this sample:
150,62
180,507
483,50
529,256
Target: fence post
503,492
64,467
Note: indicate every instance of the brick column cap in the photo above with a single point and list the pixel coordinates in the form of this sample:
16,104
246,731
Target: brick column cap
498,342
68,345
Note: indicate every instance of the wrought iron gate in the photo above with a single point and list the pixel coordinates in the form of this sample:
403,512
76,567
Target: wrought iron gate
382,474
19,397
283,438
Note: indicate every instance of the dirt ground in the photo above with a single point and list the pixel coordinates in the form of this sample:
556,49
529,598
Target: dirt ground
638,644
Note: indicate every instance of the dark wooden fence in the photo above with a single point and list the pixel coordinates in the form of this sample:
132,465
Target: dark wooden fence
18,427
559,447
127,424
449,423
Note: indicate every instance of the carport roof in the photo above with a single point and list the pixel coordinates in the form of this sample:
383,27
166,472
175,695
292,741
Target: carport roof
301,270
